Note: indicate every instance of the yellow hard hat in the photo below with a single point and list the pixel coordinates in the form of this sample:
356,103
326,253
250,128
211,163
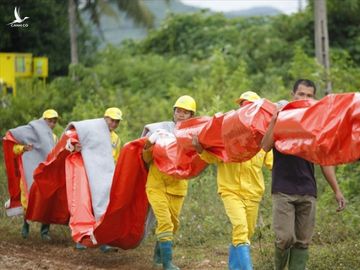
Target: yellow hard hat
114,113
249,96
186,102
50,113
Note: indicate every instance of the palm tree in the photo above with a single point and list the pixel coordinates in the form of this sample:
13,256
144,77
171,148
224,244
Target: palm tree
135,9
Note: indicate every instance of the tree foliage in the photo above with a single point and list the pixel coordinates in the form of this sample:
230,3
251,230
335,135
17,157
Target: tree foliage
47,33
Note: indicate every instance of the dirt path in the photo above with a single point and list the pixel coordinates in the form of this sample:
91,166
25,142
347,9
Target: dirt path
51,256
29,254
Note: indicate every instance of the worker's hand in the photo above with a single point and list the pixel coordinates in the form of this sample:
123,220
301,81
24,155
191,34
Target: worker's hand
341,201
28,147
196,144
159,133
147,144
281,104
77,147
153,137
72,148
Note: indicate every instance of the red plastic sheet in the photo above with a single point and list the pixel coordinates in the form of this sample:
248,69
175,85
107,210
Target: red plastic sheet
175,160
48,198
243,130
208,129
123,223
14,170
325,132
234,136
82,220
60,194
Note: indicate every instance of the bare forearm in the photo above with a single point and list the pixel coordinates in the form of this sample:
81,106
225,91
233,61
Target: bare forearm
330,176
329,173
267,142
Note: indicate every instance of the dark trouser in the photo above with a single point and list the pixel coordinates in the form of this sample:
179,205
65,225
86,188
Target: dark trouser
293,220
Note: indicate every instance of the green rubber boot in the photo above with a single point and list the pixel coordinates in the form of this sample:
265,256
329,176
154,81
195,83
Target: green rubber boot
166,256
79,246
107,249
298,258
157,256
281,258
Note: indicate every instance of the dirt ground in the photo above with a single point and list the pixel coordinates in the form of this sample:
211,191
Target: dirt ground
28,254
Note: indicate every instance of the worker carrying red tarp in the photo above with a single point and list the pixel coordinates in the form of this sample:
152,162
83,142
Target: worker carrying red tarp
86,176
325,132
234,137
85,200
47,197
24,148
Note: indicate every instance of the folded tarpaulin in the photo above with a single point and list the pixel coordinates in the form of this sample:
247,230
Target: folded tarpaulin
123,223
234,136
68,195
325,132
87,175
173,159
169,155
243,129
14,170
47,198
208,129
20,167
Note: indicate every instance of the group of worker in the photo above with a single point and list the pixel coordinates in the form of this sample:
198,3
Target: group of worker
240,186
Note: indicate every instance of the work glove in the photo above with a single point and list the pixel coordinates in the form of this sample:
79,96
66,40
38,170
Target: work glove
69,146
161,137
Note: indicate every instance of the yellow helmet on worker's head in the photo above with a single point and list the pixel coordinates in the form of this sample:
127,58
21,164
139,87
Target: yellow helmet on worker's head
249,96
186,102
113,113
50,113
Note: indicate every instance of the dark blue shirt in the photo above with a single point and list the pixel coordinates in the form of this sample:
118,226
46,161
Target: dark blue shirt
292,175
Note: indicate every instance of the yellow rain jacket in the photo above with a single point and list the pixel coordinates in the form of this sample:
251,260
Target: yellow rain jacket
241,186
115,145
166,195
246,178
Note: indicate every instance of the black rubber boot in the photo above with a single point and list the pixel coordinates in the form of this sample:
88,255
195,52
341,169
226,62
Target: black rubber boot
25,229
44,232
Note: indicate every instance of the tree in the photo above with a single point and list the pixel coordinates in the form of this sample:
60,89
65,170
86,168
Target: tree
343,23
322,40
134,9
46,34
